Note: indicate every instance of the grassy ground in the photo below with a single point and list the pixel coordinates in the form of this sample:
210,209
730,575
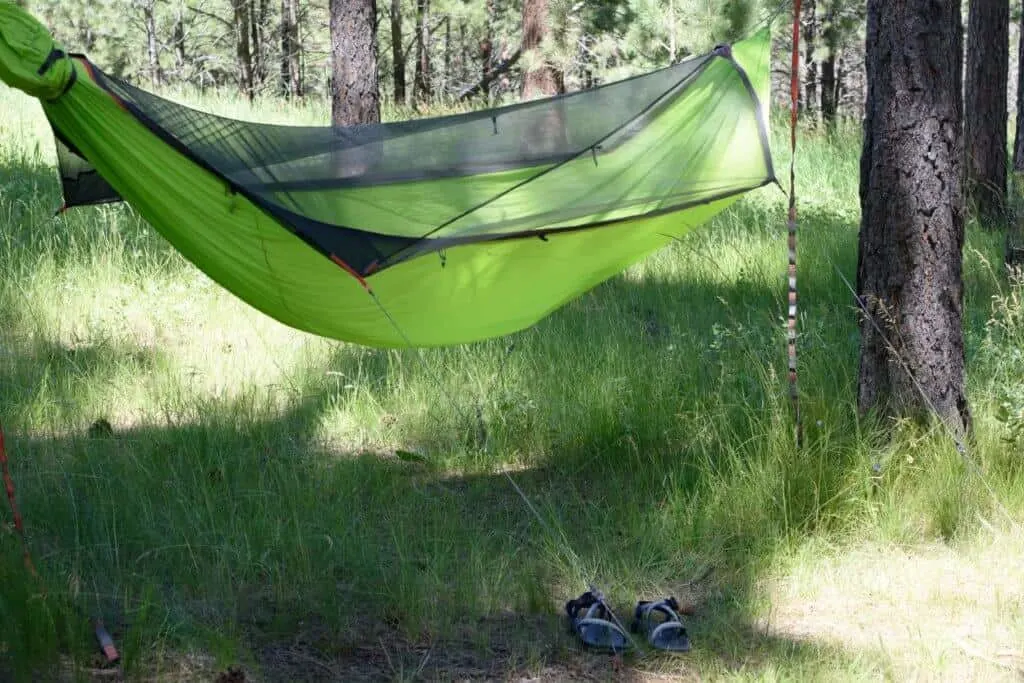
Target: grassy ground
308,510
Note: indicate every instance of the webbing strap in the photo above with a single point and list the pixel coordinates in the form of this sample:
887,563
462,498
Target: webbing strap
794,94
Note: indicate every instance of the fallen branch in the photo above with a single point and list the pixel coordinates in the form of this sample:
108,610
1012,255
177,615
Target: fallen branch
491,75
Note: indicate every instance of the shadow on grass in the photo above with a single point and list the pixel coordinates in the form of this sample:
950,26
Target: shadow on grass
646,424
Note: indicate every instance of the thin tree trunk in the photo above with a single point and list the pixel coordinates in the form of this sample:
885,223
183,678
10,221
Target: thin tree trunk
257,21
291,71
672,49
986,108
487,50
298,76
355,97
829,91
397,53
421,81
912,206
829,84
156,75
463,54
243,50
810,21
1015,234
180,55
447,54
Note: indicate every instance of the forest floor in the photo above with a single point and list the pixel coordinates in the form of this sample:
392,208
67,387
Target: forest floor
241,501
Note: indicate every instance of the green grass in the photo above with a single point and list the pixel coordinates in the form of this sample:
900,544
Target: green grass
300,507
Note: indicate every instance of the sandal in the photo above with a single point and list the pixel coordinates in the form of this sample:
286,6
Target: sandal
595,628
660,622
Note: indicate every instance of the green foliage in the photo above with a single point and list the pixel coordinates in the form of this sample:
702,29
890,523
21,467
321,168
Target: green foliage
590,42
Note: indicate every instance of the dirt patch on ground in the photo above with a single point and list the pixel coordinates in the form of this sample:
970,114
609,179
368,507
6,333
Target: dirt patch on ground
932,612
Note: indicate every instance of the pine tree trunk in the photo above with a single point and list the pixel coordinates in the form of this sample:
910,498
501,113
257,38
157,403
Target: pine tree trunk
355,96
809,30
286,49
487,49
447,53
988,42
1015,235
298,78
156,76
178,33
255,49
397,52
291,71
912,227
243,50
829,91
829,83
541,79
421,80
463,54
672,45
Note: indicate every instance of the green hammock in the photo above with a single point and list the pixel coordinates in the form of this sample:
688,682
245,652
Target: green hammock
428,232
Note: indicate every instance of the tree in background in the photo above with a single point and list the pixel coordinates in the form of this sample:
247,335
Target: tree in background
444,50
841,22
243,47
809,31
540,77
397,52
355,97
912,226
421,84
1014,252
988,46
291,49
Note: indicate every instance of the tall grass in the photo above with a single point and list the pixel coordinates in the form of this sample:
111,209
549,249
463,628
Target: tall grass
292,504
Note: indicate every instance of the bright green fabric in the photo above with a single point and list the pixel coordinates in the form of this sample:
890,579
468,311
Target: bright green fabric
478,291
25,45
688,153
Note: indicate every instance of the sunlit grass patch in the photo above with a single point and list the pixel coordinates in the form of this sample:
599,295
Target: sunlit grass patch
268,498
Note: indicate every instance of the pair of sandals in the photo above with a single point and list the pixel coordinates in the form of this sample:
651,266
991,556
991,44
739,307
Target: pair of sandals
658,621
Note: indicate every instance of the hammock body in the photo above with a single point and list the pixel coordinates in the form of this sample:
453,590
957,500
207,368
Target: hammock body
417,233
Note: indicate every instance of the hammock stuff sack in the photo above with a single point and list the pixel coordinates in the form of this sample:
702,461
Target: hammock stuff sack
429,232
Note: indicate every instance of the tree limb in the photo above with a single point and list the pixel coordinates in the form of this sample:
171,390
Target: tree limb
491,75
211,15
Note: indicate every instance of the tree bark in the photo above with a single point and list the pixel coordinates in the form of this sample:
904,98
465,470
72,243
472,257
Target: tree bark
421,79
257,16
809,30
447,54
988,42
1018,140
909,271
178,35
1015,234
541,79
487,49
243,49
156,75
829,91
397,53
291,65
829,82
355,97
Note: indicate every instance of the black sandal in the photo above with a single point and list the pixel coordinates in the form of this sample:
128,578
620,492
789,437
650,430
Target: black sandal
659,621
595,628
